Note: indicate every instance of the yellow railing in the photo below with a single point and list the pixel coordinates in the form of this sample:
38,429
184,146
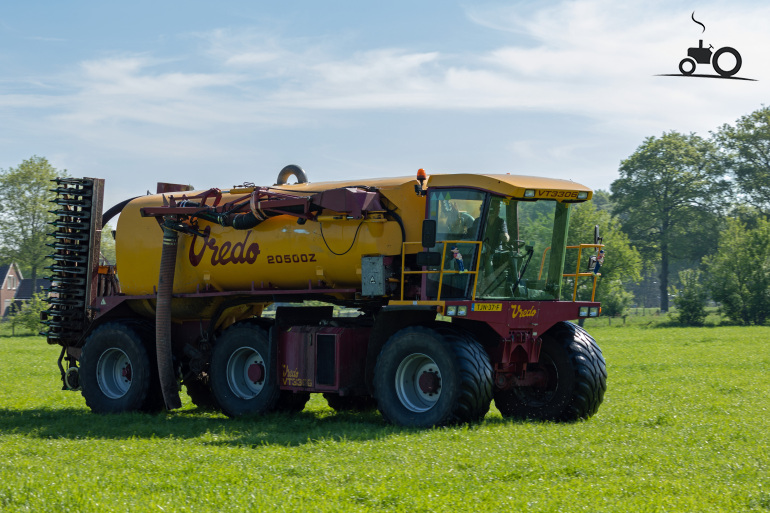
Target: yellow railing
577,274
441,271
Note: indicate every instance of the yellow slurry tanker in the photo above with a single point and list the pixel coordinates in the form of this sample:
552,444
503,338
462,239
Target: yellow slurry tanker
456,281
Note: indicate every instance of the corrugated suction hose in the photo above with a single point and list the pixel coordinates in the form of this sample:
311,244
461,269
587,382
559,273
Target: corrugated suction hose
168,381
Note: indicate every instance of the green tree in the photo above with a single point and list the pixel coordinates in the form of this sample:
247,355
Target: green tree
27,314
602,199
667,197
739,273
622,262
615,297
746,214
25,192
746,154
107,245
690,301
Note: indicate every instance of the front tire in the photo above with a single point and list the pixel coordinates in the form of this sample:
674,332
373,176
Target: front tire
432,377
575,379
115,371
243,374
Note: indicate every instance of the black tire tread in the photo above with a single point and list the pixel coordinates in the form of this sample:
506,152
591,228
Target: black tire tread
231,405
474,369
589,373
142,375
591,370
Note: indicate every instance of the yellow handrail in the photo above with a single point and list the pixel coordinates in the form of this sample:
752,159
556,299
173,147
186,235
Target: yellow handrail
577,274
441,270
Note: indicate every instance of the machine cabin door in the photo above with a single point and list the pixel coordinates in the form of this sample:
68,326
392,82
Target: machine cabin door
459,220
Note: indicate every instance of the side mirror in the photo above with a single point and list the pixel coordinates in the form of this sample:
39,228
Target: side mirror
597,239
429,233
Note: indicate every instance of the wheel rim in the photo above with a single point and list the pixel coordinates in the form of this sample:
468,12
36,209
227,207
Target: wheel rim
114,373
418,383
246,372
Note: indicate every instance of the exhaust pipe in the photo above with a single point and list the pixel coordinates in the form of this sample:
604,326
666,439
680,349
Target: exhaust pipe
168,382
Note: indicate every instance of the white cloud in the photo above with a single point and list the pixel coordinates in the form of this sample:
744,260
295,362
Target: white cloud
590,60
249,59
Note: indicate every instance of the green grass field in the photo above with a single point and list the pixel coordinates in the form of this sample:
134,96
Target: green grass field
685,426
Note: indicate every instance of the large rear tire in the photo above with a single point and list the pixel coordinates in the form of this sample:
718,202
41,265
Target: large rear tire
432,377
243,373
115,370
575,379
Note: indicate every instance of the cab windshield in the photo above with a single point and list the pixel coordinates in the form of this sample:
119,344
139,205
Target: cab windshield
512,260
514,263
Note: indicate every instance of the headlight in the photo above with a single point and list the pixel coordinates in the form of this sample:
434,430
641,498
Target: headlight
582,195
593,311
462,310
583,312
451,310
529,193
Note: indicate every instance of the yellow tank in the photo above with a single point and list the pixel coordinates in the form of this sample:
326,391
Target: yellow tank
279,253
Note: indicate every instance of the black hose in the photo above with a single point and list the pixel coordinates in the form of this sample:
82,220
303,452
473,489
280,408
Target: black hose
355,236
245,221
168,382
400,224
115,210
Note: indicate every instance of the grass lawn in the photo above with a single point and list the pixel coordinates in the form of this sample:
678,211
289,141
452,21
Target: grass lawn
685,426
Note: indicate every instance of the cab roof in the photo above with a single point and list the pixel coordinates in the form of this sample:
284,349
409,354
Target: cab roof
513,186
517,186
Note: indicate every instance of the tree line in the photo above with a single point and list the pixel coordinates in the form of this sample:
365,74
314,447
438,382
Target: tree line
695,209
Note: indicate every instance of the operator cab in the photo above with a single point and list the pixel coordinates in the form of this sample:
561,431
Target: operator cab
513,261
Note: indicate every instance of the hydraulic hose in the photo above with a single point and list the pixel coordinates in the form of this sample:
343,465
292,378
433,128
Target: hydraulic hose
245,221
115,210
168,382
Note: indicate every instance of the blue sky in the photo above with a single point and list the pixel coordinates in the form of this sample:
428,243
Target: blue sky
217,95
